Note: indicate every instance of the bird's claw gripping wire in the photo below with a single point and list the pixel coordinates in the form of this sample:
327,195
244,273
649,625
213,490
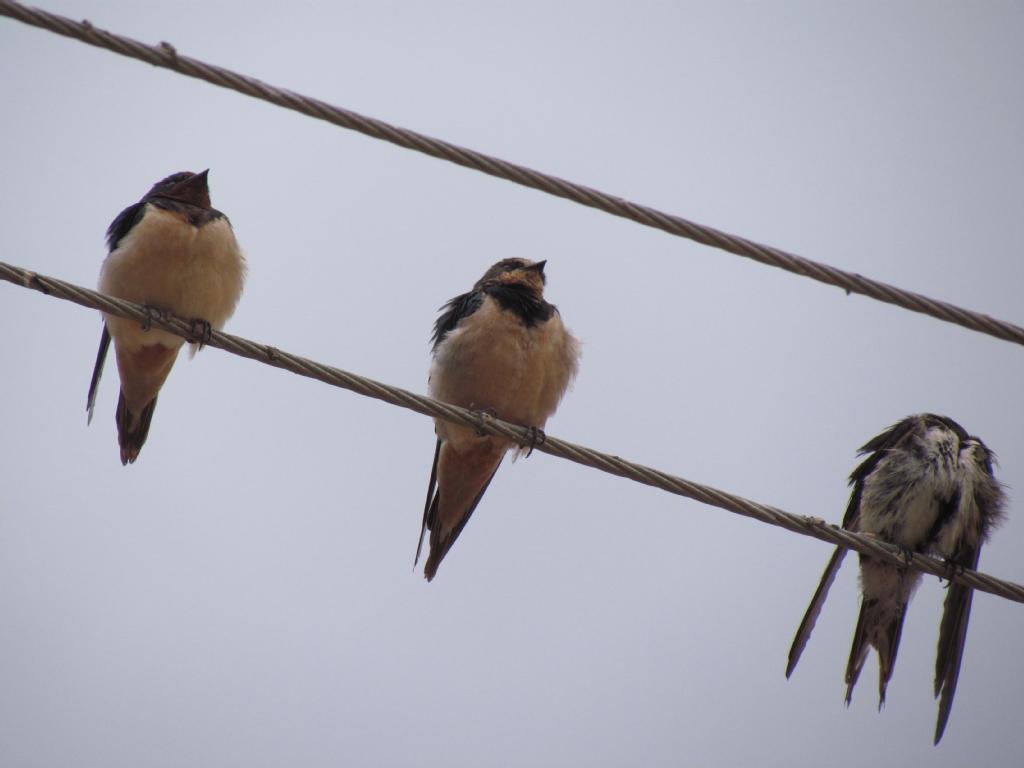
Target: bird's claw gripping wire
537,437
906,553
199,332
484,417
152,313
952,570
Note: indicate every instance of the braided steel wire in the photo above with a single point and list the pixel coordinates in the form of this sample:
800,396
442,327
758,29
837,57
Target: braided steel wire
166,56
524,436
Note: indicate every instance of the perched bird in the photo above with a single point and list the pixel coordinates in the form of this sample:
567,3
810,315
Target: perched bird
926,486
500,349
172,252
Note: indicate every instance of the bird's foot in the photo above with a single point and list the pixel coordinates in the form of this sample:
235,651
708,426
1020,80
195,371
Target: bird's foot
537,437
906,553
199,332
152,313
953,569
484,416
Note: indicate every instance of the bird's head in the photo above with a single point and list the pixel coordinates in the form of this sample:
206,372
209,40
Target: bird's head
185,187
516,272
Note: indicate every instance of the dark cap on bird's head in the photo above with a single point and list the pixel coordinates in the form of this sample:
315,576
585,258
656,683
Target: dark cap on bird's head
516,271
185,187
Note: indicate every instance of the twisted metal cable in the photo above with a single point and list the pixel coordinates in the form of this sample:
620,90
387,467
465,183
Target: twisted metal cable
524,436
165,55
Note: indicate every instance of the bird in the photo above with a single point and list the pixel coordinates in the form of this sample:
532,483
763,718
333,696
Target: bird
926,486
499,349
174,253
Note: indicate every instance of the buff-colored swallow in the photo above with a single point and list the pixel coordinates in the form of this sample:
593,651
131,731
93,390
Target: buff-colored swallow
499,349
172,252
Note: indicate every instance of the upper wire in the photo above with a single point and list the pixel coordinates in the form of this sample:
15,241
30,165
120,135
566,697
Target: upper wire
166,55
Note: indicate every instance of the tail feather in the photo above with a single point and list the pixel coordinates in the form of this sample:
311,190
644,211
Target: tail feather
858,652
430,508
441,542
132,429
97,372
803,633
887,650
879,625
952,634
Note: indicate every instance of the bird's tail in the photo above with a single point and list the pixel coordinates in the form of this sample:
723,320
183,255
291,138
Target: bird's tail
441,539
880,624
803,633
457,483
97,372
132,428
952,634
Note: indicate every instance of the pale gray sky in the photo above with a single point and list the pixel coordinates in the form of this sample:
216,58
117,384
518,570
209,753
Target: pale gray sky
244,594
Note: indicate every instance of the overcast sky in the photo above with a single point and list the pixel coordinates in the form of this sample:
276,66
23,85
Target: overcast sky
244,594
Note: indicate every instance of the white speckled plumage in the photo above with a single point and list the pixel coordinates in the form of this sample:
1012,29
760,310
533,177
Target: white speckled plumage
926,486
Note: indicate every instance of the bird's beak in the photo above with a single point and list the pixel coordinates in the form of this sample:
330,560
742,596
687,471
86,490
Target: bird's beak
538,267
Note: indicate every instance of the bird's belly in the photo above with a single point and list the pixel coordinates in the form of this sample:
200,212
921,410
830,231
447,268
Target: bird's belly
165,262
496,364
483,375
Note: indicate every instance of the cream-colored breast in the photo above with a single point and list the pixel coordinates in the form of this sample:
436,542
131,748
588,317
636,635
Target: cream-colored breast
492,361
165,262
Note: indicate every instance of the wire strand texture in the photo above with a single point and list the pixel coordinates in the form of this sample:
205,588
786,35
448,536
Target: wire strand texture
524,436
166,56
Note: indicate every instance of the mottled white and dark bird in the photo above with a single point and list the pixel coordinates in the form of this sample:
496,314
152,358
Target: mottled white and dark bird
171,252
926,486
499,349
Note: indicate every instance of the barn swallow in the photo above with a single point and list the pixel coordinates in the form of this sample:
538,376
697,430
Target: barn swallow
926,486
500,349
172,252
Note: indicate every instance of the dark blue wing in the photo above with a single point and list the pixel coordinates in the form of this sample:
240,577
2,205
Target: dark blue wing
124,222
453,312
